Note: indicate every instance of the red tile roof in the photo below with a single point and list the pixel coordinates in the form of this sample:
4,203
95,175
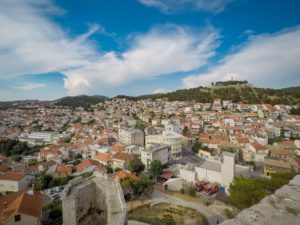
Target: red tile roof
122,174
85,164
122,156
12,176
27,202
103,157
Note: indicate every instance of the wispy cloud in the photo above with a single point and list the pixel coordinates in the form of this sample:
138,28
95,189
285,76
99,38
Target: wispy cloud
270,60
29,86
175,6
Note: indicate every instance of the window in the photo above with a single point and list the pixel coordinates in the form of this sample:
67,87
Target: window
17,218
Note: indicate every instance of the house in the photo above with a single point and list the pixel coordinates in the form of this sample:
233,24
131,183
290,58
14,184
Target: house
87,165
103,158
295,163
12,181
275,165
63,170
22,207
121,160
155,152
50,153
282,154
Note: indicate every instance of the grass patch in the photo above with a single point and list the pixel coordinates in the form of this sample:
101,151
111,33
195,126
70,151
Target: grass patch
229,213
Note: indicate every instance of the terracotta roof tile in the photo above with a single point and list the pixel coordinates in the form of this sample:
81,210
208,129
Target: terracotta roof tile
12,176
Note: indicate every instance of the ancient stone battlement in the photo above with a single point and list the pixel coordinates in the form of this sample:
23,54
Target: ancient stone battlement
281,208
96,200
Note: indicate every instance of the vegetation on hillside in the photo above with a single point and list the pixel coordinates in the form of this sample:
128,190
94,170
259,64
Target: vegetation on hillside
249,95
80,101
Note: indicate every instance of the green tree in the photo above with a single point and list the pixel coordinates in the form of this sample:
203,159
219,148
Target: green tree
136,166
245,192
155,168
17,158
32,162
196,147
185,131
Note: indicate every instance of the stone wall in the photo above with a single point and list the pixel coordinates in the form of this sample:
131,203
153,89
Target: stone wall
94,201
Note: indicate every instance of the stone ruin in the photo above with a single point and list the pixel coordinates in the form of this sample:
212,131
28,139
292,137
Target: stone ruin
96,200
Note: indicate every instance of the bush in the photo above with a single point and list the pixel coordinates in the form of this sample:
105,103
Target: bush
192,191
182,190
229,214
16,158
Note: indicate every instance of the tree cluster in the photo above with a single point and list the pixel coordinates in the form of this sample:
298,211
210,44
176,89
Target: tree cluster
245,192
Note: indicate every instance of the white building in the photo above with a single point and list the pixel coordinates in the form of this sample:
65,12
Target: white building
130,136
155,152
172,139
221,172
39,138
173,128
13,182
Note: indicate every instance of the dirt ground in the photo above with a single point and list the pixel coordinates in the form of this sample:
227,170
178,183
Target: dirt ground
164,213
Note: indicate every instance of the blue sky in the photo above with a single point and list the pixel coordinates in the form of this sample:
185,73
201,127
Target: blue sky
53,48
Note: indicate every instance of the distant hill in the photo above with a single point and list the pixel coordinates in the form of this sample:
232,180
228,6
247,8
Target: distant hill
244,94
80,101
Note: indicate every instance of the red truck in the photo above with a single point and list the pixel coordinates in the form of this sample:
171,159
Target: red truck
211,188
200,184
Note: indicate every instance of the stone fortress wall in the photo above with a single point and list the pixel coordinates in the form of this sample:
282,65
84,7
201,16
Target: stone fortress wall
97,200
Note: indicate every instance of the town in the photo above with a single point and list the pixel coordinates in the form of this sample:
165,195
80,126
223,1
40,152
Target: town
150,161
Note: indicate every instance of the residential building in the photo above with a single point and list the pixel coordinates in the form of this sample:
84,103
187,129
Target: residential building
13,182
121,160
275,165
22,207
155,152
172,139
130,136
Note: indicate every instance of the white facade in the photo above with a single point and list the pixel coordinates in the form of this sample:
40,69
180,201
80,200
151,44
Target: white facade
15,185
155,152
215,171
172,139
228,169
173,128
130,136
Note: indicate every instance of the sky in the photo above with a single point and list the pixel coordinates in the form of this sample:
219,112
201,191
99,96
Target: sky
55,48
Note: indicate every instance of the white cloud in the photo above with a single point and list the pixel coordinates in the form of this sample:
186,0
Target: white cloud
160,91
29,86
266,60
31,43
173,6
163,50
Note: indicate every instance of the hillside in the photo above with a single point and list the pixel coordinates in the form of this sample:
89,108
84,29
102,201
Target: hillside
81,100
244,94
